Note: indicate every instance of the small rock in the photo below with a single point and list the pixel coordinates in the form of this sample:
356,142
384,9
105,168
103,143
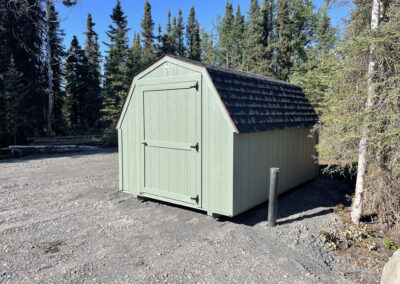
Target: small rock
391,271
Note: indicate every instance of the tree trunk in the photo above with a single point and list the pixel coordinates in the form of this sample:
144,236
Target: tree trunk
356,211
49,71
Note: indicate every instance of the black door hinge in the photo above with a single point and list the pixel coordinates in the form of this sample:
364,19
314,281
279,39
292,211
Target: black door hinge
197,147
195,199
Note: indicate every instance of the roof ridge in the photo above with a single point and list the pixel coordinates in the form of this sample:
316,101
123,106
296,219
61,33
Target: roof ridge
231,70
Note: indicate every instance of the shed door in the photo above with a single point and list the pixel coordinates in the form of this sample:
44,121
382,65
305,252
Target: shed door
171,150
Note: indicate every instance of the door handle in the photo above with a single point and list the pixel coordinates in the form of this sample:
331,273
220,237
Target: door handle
145,143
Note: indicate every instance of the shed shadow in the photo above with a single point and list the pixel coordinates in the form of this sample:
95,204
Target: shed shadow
299,203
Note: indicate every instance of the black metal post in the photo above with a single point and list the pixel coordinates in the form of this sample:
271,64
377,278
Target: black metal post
273,200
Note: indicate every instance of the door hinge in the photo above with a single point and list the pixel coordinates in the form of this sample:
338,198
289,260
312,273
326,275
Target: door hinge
196,86
195,198
197,147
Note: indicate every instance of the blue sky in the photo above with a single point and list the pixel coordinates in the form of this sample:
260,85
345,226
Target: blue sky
74,19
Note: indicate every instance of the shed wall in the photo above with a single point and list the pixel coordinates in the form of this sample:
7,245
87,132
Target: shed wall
216,146
291,150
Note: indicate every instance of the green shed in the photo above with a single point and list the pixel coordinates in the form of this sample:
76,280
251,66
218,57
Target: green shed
205,136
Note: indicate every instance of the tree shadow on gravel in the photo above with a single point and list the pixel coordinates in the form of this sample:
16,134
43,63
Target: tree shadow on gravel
293,206
41,156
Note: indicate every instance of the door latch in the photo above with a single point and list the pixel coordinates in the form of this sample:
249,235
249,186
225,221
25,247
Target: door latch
195,199
196,147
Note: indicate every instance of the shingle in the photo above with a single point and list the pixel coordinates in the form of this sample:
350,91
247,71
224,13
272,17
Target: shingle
260,103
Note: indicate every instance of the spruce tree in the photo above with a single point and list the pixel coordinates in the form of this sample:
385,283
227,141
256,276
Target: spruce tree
227,37
325,34
57,56
174,37
134,58
14,115
268,23
147,25
115,69
21,36
254,53
193,36
207,46
284,44
93,100
303,25
177,32
170,40
76,87
239,40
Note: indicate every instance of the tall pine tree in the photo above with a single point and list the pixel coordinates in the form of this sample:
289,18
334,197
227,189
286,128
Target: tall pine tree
177,32
147,25
76,87
193,36
93,100
207,46
14,117
284,44
226,37
134,58
254,53
57,56
239,27
115,69
268,23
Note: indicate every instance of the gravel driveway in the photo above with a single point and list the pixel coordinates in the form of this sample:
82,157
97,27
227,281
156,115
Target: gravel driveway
63,220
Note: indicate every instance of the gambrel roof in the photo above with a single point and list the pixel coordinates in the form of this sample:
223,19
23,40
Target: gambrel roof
253,102
259,103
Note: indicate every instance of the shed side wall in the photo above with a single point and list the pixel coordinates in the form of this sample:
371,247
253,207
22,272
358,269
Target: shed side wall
217,151
291,150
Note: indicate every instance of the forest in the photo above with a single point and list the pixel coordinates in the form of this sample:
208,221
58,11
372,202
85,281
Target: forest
351,77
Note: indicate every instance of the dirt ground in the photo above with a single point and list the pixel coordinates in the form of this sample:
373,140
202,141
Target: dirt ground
62,219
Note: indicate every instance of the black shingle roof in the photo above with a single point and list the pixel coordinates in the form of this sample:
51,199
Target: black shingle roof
260,103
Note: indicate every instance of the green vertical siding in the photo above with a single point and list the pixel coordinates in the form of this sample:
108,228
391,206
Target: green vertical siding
216,146
291,150
217,135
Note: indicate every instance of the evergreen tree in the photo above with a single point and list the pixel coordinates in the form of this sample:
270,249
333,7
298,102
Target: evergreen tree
177,32
21,37
254,53
14,117
170,42
174,37
57,55
147,25
303,25
93,100
76,86
193,36
207,46
284,44
227,38
239,40
134,58
325,34
268,23
115,69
